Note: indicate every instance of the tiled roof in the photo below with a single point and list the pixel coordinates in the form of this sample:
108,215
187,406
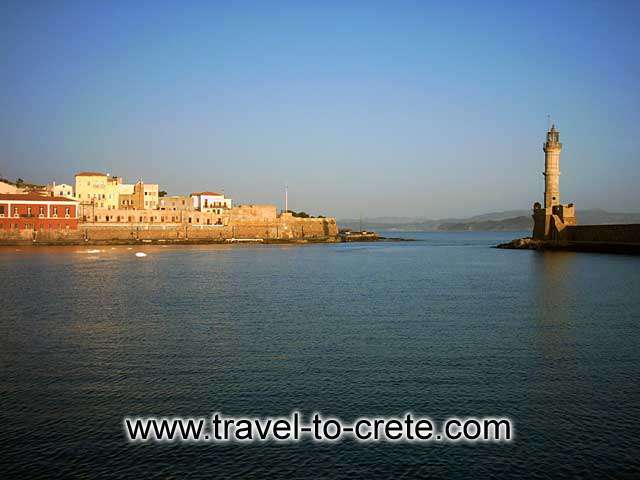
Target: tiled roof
31,197
90,174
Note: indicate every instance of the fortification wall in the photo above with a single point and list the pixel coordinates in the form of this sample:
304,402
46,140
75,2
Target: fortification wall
604,233
12,236
281,228
253,212
276,229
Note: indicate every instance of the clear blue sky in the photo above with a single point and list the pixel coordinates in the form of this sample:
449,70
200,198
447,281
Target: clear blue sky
429,109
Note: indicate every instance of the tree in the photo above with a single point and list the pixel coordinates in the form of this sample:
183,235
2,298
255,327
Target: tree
162,193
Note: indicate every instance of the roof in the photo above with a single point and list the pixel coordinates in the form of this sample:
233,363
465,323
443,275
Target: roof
32,197
207,193
90,174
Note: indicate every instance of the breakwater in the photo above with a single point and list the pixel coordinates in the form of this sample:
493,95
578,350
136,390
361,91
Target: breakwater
623,239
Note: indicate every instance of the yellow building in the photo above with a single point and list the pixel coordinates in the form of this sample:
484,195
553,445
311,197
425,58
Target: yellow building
98,189
141,196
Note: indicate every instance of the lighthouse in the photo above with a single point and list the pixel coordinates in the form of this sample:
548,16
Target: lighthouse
552,148
550,220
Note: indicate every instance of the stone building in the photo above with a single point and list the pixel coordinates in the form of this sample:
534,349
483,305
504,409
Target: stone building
551,219
60,190
175,202
210,201
140,196
98,190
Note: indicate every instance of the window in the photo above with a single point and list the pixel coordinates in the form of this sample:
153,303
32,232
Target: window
1,209
55,211
41,210
29,211
67,211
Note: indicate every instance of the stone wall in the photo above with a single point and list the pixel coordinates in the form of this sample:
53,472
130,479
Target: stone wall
277,230
604,233
14,236
254,212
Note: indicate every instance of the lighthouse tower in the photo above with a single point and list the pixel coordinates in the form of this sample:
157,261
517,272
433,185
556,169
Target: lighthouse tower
551,219
552,148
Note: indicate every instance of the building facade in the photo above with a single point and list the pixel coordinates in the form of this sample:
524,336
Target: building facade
140,196
98,190
61,190
210,202
151,193
36,212
175,202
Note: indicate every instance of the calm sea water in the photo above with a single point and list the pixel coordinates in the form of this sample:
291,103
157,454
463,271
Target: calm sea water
442,326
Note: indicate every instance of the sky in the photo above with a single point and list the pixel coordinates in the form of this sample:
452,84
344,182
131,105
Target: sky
413,109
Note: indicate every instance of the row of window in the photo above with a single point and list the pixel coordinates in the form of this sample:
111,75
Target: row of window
152,219
41,210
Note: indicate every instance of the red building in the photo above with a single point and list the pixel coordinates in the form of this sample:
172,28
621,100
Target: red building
37,212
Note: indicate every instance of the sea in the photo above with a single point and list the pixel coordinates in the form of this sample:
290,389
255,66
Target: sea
443,326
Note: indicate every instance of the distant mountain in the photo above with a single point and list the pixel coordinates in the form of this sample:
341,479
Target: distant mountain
508,221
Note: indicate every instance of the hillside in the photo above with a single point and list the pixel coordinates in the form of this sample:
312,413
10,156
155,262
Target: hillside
508,221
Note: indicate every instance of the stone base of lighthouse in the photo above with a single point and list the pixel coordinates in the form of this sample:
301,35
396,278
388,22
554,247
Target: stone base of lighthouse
549,223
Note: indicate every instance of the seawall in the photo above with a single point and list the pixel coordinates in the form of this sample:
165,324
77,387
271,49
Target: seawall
284,228
623,239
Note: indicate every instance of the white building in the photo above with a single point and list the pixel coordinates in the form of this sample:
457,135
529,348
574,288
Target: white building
61,190
210,202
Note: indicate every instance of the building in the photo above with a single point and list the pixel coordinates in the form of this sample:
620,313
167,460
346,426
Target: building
60,190
210,201
7,187
97,190
140,196
36,212
175,202
151,194
549,220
